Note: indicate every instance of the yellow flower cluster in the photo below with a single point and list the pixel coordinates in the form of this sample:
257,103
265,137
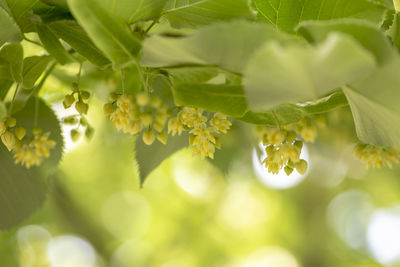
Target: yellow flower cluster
307,130
26,154
142,112
201,128
377,156
282,149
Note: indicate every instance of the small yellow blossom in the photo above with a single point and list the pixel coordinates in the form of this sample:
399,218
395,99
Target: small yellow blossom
175,126
220,123
377,156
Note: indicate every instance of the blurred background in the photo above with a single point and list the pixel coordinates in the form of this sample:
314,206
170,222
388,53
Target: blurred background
190,213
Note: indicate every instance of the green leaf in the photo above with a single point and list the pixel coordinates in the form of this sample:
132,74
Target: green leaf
192,74
23,191
281,115
195,13
374,103
20,10
52,44
9,30
395,32
285,15
149,158
13,54
136,10
59,3
368,35
107,31
33,68
294,73
226,99
228,45
74,35
325,104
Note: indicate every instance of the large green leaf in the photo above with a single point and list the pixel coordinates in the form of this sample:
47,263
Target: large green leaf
149,158
74,35
23,191
107,31
374,103
13,54
20,10
227,99
9,30
280,115
192,74
228,45
33,68
368,35
136,10
192,13
285,15
291,74
52,44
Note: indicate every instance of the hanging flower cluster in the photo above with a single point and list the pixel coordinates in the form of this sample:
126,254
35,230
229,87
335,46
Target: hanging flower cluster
377,156
27,151
80,98
134,114
202,130
282,149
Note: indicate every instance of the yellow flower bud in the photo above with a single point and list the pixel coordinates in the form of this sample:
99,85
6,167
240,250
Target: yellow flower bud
288,170
135,127
85,95
146,119
20,133
148,137
75,134
68,101
108,109
37,131
155,102
11,122
276,137
89,132
8,140
142,99
162,137
302,166
81,107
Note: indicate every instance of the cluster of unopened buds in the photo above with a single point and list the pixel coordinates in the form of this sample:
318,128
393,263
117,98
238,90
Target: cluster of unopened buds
377,156
134,114
283,150
202,130
27,151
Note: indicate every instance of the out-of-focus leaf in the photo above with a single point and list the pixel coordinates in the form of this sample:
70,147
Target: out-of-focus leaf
53,44
195,13
74,35
227,99
228,45
23,191
368,35
192,74
374,103
285,15
395,31
34,66
149,158
294,73
13,54
136,10
20,10
107,31
9,30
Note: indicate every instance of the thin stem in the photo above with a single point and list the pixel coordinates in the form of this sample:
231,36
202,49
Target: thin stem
36,116
123,81
32,41
78,76
151,26
46,75
13,98
276,119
